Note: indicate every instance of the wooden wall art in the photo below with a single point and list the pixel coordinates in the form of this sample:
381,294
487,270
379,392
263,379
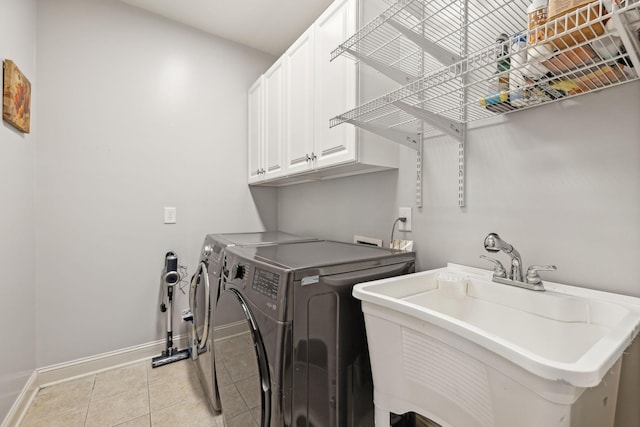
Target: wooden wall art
16,97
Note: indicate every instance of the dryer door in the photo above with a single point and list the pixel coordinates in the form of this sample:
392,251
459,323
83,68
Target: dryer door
242,369
200,309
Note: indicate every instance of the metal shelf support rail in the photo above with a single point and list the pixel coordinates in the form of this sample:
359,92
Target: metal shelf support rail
462,140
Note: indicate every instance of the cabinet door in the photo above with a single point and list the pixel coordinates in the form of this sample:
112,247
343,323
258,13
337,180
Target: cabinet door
274,120
335,85
255,131
299,104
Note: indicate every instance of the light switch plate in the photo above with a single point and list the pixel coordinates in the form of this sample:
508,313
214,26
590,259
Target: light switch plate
169,215
406,213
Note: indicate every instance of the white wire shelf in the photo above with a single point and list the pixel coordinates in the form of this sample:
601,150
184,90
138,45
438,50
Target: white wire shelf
398,37
412,38
583,51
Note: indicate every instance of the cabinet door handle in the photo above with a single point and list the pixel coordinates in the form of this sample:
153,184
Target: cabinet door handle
307,158
313,156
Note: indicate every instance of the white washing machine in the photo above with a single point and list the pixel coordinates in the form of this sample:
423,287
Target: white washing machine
204,292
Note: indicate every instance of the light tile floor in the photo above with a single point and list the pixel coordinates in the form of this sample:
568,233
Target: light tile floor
168,396
239,381
132,396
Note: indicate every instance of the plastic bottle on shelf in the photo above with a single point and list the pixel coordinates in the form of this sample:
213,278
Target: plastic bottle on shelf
517,82
607,47
498,87
500,80
537,52
536,18
495,98
504,61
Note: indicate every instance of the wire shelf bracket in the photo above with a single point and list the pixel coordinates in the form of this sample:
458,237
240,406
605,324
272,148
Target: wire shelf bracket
411,140
393,73
442,55
453,128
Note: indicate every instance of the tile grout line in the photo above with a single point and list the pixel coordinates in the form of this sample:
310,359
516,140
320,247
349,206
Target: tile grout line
114,395
146,371
97,387
86,414
242,396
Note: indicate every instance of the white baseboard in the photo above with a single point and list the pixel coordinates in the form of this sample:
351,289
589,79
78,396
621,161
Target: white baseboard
90,365
19,408
101,362
66,371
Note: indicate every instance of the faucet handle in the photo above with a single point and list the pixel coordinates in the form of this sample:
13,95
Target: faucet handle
532,273
498,269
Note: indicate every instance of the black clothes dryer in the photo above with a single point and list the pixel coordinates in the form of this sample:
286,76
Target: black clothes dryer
301,359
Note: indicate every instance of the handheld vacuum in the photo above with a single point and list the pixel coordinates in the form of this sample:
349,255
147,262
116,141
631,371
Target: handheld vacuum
169,278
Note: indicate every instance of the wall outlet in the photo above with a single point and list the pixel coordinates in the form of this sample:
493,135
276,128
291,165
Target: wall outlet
170,215
406,213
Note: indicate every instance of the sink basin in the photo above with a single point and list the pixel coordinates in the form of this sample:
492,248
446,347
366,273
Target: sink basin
465,351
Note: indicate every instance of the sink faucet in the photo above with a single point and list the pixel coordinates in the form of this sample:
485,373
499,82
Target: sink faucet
493,243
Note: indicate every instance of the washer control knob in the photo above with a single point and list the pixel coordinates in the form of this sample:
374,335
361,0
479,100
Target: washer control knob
238,271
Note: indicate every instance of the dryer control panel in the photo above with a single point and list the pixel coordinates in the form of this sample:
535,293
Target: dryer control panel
262,285
266,283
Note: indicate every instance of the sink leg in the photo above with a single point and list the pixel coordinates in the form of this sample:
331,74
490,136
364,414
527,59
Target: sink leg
382,417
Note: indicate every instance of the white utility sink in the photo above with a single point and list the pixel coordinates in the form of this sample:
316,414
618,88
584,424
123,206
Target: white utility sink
467,352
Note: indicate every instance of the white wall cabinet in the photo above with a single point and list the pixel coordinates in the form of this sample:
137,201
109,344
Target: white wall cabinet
274,120
255,132
299,65
334,85
266,125
314,91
